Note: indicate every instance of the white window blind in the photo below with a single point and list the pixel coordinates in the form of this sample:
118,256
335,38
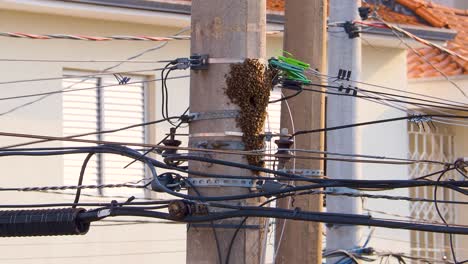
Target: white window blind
103,109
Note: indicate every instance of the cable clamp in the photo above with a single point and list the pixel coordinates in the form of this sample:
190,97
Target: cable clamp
218,144
341,190
220,134
303,172
222,182
214,115
199,62
351,29
227,226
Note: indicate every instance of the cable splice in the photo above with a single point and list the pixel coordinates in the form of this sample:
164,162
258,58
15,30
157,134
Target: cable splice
44,222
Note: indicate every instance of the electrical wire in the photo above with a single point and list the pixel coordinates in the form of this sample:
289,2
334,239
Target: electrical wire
384,24
91,38
372,123
264,212
61,91
244,211
131,58
288,203
390,99
87,204
215,234
80,179
89,76
78,61
161,141
443,218
94,133
285,98
395,30
318,183
443,100
54,138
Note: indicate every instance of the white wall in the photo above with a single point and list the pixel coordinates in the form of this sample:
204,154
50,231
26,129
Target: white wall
385,67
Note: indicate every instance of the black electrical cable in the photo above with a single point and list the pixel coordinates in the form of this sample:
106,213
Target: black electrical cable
167,95
365,183
302,132
236,232
83,204
287,214
215,234
98,132
346,254
163,94
443,218
389,100
80,179
161,141
287,97
320,183
357,89
333,218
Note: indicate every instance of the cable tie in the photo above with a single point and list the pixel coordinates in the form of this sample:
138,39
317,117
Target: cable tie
340,73
348,89
348,75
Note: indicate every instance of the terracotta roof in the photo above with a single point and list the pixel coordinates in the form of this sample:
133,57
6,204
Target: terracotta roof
455,19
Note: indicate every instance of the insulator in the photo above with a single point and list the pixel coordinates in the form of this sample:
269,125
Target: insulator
44,222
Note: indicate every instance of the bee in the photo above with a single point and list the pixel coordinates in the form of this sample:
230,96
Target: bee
248,85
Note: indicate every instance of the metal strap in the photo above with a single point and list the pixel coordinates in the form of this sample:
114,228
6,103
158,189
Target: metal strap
222,182
214,115
218,144
303,172
227,226
220,134
224,60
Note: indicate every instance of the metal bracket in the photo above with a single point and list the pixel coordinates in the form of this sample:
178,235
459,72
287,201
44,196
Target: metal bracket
222,182
303,172
214,115
342,190
220,134
224,60
218,144
199,62
228,226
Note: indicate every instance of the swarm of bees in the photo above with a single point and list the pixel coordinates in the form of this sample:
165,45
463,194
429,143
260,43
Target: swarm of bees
248,86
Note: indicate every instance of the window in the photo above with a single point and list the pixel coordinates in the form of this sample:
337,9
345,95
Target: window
98,110
433,144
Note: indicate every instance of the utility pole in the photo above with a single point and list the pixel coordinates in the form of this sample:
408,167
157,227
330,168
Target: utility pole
344,53
305,38
226,30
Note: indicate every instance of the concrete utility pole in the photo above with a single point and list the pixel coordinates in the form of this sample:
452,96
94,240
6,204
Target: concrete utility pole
344,53
305,39
227,30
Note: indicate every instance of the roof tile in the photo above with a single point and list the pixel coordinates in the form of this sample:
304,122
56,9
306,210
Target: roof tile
456,19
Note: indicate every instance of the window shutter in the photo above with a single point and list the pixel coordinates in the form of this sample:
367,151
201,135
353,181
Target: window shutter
99,110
